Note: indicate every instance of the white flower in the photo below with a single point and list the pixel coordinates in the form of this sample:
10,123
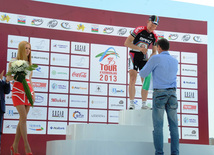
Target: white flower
18,63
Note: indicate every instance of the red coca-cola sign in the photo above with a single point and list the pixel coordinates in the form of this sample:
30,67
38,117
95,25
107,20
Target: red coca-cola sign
81,74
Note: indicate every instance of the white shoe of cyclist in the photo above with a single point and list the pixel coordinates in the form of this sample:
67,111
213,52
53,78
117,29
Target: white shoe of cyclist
144,105
131,106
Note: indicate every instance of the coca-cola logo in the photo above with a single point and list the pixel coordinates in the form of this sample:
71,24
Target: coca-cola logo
81,74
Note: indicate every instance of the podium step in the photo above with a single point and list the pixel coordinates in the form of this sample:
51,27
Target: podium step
109,132
79,147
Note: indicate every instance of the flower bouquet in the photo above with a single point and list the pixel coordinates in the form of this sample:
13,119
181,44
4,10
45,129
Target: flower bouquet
19,69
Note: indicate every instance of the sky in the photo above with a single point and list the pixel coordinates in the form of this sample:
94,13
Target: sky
185,9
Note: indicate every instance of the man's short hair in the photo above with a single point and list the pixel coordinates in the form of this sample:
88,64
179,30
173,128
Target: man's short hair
164,44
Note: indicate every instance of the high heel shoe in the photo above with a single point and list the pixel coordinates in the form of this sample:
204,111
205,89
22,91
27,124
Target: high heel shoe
12,151
29,153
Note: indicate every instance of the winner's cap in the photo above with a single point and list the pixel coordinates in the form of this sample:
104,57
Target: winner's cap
154,19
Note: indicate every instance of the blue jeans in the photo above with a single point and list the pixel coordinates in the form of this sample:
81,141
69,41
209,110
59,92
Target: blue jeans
165,99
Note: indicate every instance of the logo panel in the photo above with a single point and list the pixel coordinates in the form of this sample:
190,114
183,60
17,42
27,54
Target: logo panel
60,46
98,89
98,116
59,73
98,102
189,95
78,115
58,86
79,61
80,48
79,74
57,128
78,88
40,58
39,44
58,100
60,59
78,101
13,40
58,114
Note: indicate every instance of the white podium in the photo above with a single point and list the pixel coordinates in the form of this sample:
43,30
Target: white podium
133,135
134,125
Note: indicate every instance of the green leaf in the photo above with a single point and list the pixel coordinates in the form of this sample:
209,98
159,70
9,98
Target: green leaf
27,91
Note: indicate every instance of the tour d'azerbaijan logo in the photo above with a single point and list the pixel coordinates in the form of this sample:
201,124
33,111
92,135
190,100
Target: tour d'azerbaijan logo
108,68
109,52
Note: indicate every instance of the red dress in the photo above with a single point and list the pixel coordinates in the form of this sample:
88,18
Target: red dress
18,93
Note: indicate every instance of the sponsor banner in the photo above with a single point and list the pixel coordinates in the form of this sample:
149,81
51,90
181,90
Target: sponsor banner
59,73
98,102
178,82
190,133
190,120
189,70
58,100
176,55
178,92
80,48
117,90
78,101
11,54
107,64
36,127
13,40
9,126
60,59
40,85
79,61
189,95
98,116
98,89
40,58
117,103
60,46
93,28
189,82
38,113
78,88
58,86
40,99
113,116
184,37
190,107
11,113
57,128
190,58
58,114
41,72
79,74
78,115
39,44
8,98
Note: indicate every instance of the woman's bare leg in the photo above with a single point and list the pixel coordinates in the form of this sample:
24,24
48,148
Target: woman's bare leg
22,128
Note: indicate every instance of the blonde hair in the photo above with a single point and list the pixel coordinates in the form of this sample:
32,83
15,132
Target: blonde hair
21,55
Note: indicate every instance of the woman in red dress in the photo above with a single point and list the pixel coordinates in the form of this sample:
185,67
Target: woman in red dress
20,100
